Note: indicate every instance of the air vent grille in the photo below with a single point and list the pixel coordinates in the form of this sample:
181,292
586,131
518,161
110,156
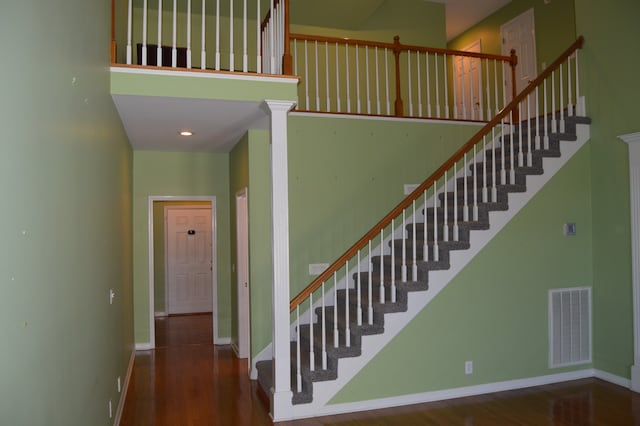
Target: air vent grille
569,326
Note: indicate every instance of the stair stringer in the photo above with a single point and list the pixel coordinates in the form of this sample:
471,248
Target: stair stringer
348,368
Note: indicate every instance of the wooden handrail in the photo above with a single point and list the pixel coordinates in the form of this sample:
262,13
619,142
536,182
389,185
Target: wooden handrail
457,156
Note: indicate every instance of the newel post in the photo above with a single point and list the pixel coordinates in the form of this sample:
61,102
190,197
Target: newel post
514,84
633,140
281,392
396,53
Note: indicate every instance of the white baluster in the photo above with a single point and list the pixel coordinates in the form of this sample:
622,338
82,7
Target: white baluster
494,176
554,121
189,34
245,52
418,78
437,86
258,39
358,100
326,73
529,135
295,57
445,227
462,83
378,105
174,48
338,101
414,265
347,330
382,297
298,369
203,52
346,54
358,293
486,64
425,245
324,330
537,137
495,86
336,336
446,92
581,108
545,139
272,40
455,202
485,195
370,288
129,20
410,81
465,206
520,153
455,91
561,89
366,66
403,274
393,263
232,58
436,251
503,170
475,184
306,76
512,169
570,89
312,358
144,32
317,77
386,76
159,46
217,32
428,83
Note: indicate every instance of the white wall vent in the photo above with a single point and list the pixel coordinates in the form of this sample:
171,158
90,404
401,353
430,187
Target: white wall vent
569,326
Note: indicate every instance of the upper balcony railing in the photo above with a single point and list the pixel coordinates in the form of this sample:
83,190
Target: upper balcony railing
337,75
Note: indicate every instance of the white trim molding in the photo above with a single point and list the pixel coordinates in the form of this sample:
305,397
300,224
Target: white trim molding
633,141
123,390
281,393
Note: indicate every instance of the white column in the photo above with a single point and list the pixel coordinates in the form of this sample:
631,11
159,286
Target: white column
281,392
633,140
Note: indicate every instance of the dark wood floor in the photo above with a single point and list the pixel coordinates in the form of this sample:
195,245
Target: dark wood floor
187,381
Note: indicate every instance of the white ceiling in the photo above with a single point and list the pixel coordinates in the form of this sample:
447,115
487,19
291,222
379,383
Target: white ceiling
152,123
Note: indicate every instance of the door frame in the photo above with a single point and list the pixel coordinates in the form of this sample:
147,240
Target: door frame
214,257
243,349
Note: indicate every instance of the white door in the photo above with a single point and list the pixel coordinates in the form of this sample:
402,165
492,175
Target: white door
519,34
242,240
468,92
189,260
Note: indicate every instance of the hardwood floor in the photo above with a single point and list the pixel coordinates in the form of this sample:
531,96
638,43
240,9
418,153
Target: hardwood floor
187,381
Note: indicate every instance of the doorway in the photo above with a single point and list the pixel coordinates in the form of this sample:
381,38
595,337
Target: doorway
468,78
242,285
158,267
519,34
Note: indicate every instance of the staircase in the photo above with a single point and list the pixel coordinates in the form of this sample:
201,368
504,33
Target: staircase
491,185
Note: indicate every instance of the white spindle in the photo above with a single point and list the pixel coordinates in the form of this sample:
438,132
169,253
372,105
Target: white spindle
512,169
436,250
570,89
475,183
378,105
317,77
217,31
425,237
494,175
520,151
393,263
326,73
462,89
336,337
465,205
418,78
386,77
174,49
545,139
347,329
295,56
298,369
370,288
366,66
455,202
306,73
348,88
312,361
338,100
203,52
129,20
495,86
561,89
485,194
358,293
188,34
258,40
144,32
403,274
537,139
159,45
446,92
382,298
324,330
554,121
455,91
428,83
410,83
414,265
245,52
445,217
232,59
581,108
503,171
529,134
272,41
488,89
437,86
358,100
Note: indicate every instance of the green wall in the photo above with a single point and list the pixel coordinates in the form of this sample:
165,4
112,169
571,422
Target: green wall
65,177
554,27
178,174
610,82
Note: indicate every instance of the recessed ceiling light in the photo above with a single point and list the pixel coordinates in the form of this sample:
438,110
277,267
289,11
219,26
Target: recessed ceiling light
186,133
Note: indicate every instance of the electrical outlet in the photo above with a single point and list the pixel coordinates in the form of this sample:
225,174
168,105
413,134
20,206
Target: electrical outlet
569,229
112,295
468,367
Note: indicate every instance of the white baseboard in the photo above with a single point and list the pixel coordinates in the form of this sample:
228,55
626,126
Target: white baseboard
222,341
160,314
144,346
125,387
612,378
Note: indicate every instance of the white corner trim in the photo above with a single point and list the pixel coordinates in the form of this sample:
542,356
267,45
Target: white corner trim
125,387
145,346
612,378
632,140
